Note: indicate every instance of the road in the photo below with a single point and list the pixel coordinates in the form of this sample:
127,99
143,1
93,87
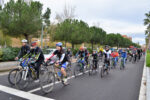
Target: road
118,85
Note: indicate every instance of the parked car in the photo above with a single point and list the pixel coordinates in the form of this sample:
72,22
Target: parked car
48,52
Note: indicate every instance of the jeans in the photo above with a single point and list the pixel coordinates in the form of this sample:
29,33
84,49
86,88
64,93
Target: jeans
82,61
124,61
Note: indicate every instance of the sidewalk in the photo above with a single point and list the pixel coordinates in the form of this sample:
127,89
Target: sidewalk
6,66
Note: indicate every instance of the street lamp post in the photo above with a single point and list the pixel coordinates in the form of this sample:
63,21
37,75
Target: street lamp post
42,37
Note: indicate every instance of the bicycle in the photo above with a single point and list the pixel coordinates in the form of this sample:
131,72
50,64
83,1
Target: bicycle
92,68
113,63
134,58
50,76
26,75
104,69
12,74
79,68
122,66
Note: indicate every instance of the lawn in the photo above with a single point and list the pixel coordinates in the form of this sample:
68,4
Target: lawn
148,59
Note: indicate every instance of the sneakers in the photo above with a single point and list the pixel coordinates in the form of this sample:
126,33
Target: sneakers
65,80
37,81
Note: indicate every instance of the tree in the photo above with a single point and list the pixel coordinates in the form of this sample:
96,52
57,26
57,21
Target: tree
147,23
72,31
96,36
22,19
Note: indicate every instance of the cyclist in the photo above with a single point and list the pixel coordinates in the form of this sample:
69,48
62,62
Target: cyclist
139,53
134,54
24,49
95,59
37,54
101,53
107,54
115,56
86,55
69,54
81,54
124,56
63,61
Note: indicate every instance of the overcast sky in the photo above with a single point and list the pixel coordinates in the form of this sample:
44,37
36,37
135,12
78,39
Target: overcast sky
114,16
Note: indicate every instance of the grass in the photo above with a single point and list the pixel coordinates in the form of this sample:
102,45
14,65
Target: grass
148,59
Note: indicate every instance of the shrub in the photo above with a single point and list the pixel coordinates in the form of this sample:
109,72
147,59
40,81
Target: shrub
9,53
74,51
1,54
90,50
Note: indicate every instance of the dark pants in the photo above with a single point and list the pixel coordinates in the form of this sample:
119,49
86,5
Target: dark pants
107,61
95,63
86,60
37,67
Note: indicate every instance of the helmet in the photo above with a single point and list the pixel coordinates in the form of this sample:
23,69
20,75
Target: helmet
33,43
24,41
59,44
107,46
81,48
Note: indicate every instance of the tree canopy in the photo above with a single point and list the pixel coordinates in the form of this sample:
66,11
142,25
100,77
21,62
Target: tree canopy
18,18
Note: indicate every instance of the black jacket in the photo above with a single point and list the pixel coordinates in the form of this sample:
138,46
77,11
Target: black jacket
23,51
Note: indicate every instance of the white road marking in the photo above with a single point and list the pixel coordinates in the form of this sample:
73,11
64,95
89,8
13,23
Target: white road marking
22,94
34,90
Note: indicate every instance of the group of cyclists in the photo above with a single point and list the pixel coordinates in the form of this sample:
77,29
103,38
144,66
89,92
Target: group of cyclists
107,55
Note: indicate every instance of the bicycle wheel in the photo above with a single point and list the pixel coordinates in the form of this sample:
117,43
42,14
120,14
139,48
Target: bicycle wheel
77,70
90,69
47,80
69,70
22,79
102,72
12,74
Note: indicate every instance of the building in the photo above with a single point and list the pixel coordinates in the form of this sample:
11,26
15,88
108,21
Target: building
127,37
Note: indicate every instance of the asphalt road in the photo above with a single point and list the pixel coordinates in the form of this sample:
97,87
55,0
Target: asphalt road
118,85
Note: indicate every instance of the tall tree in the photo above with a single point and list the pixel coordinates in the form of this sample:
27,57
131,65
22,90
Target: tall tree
147,23
18,18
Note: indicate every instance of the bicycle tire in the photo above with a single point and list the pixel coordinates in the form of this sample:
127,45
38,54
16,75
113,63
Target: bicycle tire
11,76
23,83
47,81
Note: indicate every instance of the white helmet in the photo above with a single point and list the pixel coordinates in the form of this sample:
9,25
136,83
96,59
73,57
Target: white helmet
24,41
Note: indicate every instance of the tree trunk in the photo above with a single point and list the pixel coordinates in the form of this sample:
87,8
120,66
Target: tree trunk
73,46
65,43
92,46
27,37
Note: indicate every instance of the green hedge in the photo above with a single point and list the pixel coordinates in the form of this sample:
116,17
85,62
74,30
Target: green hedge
74,51
8,54
148,58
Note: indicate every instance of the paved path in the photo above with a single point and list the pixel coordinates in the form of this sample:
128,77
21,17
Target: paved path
118,85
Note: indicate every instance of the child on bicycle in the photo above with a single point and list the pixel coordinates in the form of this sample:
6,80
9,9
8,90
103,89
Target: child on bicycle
62,62
124,56
115,56
81,55
95,59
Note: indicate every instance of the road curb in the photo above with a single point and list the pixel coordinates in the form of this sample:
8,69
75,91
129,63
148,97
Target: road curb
142,93
148,84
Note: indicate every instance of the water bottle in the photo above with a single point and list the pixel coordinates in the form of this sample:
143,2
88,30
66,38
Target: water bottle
59,74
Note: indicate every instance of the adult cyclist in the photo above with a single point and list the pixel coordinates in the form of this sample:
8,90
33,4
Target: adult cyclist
37,55
107,53
86,55
62,62
24,49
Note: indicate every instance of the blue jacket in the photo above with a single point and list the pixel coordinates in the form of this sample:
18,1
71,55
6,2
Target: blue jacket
124,54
